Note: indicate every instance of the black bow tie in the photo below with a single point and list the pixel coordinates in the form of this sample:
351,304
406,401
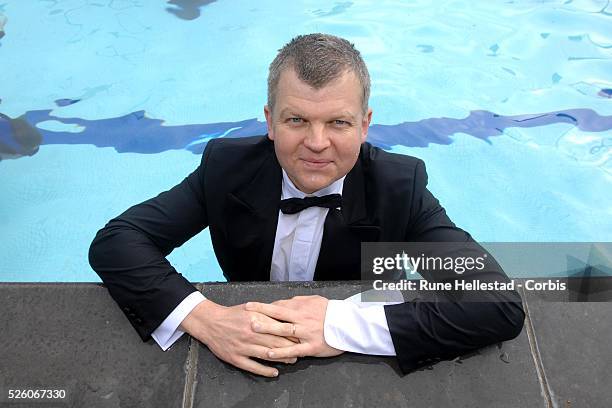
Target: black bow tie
295,205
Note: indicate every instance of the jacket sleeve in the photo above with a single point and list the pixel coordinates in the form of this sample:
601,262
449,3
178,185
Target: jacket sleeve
129,252
436,327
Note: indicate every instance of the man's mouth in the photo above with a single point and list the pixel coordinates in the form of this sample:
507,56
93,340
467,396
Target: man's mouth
316,163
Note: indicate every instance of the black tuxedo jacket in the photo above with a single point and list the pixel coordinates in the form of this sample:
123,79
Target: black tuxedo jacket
236,192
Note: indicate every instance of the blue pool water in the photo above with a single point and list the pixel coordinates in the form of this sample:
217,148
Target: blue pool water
104,104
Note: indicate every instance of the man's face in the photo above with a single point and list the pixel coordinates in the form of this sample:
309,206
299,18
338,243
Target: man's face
317,133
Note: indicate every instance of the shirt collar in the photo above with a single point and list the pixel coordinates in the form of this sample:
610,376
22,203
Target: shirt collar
289,190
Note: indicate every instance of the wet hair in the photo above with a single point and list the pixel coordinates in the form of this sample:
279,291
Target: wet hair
318,59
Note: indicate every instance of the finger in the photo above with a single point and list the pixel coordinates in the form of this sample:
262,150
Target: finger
283,360
299,350
288,304
273,311
256,368
268,320
275,328
262,353
270,341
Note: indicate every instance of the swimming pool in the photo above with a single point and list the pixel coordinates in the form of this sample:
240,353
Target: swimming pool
106,103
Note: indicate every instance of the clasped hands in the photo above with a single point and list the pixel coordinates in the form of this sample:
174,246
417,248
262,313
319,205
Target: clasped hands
278,332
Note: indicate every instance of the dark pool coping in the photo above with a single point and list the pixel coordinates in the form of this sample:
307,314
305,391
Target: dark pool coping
72,336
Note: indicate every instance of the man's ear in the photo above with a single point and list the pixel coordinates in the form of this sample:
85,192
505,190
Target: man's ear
268,114
365,124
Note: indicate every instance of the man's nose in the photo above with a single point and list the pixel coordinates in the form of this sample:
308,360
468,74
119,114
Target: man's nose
317,139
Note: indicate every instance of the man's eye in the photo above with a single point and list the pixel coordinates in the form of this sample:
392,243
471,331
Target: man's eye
295,120
340,122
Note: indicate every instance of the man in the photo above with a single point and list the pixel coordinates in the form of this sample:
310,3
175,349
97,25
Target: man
256,196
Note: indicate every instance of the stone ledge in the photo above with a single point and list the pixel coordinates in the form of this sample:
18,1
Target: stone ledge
73,336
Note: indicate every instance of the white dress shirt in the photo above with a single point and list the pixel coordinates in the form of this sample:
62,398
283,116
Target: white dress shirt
349,325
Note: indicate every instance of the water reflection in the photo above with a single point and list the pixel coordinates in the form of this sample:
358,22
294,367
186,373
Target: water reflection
18,138
3,21
137,133
605,93
187,9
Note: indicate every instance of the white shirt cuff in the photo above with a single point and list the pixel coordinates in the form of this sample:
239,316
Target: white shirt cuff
168,332
364,329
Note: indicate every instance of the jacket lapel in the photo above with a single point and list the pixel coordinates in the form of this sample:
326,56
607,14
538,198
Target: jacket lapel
340,254
251,220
